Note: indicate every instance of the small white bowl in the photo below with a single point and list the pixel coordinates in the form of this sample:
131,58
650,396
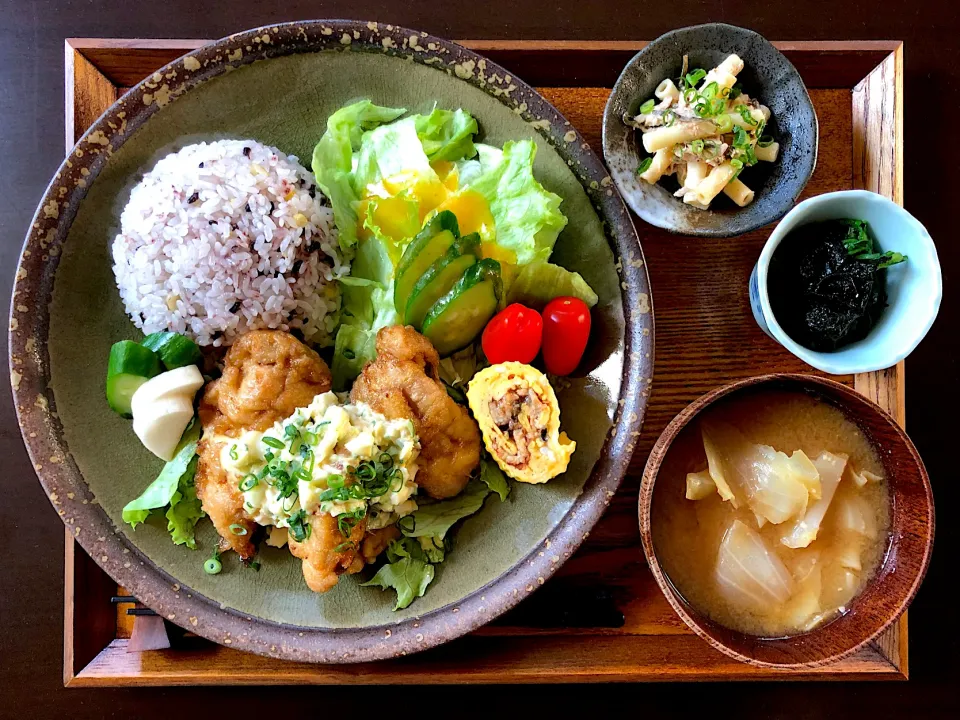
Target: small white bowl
914,288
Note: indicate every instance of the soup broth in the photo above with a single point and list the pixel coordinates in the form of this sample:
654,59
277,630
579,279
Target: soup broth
804,525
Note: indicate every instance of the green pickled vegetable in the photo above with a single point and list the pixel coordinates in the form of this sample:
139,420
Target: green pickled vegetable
130,365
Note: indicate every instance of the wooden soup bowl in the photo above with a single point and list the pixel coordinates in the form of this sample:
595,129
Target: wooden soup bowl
901,571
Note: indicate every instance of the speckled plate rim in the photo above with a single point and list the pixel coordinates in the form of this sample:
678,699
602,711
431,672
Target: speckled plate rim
36,405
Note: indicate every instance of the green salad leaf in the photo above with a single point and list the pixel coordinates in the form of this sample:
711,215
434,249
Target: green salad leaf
161,491
185,511
493,476
527,216
333,160
540,282
406,574
436,518
447,135
389,151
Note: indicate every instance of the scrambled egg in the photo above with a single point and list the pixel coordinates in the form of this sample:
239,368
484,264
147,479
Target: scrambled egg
519,418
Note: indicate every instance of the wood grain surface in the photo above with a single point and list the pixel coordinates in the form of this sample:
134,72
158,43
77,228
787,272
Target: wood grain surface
703,324
31,112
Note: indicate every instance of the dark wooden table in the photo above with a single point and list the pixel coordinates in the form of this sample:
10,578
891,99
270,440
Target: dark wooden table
31,132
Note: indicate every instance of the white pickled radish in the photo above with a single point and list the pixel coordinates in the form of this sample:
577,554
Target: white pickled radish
804,531
160,429
748,573
700,485
163,407
183,381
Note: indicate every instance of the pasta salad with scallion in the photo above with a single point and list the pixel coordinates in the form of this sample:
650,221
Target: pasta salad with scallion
705,131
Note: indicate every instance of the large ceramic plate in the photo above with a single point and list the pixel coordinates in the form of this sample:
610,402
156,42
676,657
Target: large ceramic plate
279,84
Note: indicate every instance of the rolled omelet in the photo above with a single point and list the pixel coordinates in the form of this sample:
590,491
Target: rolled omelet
519,418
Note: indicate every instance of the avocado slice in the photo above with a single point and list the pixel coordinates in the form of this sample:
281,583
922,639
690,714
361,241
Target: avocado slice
457,318
430,244
441,276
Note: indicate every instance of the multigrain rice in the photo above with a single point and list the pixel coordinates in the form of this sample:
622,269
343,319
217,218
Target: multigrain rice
227,236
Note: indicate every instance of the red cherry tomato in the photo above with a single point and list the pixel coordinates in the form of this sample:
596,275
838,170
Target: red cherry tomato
566,329
514,333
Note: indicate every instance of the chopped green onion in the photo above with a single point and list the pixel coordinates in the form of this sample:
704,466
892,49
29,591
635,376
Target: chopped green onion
724,124
335,481
268,456
697,147
310,438
272,442
344,546
669,117
299,526
644,165
254,565
689,96
740,137
702,109
711,149
746,115
751,156
249,482
238,529
717,106
212,566
233,453
736,91
647,107
290,431
678,151
302,475
765,141
709,91
694,77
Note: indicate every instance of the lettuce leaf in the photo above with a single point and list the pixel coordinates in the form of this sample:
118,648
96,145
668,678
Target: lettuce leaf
185,511
408,572
447,135
493,476
435,519
366,307
160,492
333,160
540,282
527,216
392,151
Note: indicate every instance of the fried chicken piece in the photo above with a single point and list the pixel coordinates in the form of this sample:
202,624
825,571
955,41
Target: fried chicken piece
322,563
404,382
377,541
267,375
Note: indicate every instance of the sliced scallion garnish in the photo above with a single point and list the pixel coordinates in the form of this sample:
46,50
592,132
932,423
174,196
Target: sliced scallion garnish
272,442
644,165
647,107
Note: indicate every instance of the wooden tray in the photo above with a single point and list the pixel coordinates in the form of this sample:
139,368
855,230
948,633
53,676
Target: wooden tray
615,625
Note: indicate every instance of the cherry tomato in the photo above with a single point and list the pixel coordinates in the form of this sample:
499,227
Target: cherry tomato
514,333
566,329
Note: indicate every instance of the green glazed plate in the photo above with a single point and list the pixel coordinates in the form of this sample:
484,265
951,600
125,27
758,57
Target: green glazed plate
278,85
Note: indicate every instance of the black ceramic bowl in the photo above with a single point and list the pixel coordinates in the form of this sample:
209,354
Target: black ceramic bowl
768,76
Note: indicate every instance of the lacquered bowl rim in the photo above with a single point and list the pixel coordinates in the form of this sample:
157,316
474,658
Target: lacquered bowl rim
690,616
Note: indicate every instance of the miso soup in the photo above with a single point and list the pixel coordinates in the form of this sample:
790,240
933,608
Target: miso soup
771,513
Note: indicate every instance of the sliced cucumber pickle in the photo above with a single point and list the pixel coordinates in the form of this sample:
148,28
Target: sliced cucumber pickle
458,318
174,349
130,366
430,244
442,275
